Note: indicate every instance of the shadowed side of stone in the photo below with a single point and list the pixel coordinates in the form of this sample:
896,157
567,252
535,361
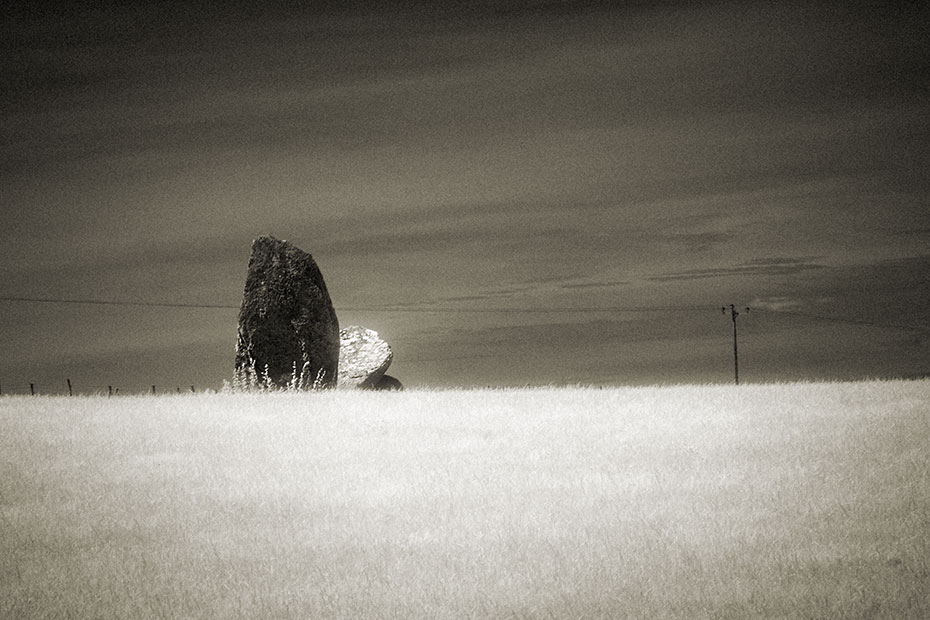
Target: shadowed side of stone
363,357
287,319
387,382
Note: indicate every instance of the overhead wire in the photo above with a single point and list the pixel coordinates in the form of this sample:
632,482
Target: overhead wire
848,321
447,310
388,308
114,302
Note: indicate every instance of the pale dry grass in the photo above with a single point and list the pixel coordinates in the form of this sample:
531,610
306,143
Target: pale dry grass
780,501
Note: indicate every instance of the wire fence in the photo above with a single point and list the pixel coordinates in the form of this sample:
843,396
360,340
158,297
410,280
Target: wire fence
67,388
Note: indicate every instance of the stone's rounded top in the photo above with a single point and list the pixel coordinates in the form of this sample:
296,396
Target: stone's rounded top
267,246
270,240
363,357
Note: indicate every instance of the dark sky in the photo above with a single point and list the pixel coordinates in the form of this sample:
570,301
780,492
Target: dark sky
509,192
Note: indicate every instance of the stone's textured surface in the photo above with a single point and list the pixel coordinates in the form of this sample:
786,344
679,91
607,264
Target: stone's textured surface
387,382
363,357
287,319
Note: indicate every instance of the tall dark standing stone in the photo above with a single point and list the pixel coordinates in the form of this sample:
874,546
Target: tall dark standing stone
287,318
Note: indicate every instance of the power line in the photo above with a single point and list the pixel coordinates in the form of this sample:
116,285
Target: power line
427,310
563,309
835,319
401,309
109,302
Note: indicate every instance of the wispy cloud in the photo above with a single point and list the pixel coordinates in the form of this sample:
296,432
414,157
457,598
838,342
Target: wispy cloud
756,267
776,304
593,285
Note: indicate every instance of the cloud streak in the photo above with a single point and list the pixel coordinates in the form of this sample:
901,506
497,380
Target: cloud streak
755,267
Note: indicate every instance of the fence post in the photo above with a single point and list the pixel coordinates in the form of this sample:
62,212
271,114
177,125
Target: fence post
109,391
192,390
70,393
32,389
153,390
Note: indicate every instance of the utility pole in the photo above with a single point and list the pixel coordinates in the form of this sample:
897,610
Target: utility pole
733,314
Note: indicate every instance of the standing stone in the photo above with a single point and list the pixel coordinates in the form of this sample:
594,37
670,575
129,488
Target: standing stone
363,357
287,320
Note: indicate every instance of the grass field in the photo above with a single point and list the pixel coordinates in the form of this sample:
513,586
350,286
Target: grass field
767,501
